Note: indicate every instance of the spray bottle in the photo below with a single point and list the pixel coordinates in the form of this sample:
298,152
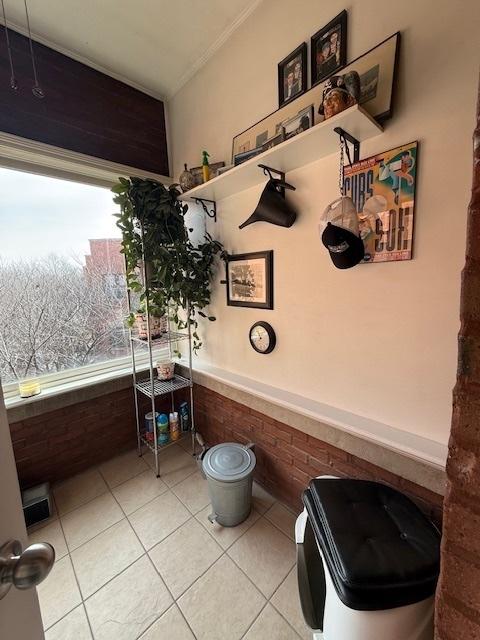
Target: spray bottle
205,166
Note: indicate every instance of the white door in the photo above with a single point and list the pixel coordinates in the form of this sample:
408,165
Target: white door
19,611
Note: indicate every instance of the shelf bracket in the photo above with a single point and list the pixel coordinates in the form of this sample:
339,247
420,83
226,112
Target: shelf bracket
268,172
210,208
353,141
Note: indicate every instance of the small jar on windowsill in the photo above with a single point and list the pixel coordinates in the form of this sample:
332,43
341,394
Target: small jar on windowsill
29,388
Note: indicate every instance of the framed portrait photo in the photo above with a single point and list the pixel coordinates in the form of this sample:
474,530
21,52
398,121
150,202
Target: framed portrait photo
328,48
250,280
299,123
292,75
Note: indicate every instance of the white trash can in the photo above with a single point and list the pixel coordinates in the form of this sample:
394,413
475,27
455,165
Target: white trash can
229,468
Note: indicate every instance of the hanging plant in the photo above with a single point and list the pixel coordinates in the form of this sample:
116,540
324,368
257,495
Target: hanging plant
179,273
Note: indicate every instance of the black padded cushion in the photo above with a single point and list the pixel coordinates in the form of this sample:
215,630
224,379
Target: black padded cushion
381,551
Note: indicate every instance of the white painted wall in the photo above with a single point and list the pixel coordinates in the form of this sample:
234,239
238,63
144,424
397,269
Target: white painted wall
378,340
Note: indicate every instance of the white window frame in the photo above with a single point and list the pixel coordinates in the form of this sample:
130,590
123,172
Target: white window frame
21,154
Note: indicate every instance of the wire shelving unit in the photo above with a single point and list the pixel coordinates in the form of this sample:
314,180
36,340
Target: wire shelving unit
154,388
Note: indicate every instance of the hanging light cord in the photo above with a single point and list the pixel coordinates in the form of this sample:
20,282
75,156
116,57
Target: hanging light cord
37,90
13,81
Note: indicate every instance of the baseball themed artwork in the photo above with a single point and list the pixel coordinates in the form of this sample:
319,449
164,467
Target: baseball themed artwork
382,188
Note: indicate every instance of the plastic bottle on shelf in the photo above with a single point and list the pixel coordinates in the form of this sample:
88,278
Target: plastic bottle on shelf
174,425
184,416
163,436
205,166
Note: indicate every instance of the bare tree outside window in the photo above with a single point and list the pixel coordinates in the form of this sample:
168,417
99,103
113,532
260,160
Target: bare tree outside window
60,310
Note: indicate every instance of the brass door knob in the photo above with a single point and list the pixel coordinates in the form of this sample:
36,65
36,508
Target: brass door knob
24,569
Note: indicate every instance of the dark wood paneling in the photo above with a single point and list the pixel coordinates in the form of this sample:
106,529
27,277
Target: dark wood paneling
83,110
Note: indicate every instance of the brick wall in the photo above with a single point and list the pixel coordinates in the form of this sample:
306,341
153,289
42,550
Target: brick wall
287,458
61,443
458,593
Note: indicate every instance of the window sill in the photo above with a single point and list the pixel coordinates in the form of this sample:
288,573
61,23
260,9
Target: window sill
292,406
69,393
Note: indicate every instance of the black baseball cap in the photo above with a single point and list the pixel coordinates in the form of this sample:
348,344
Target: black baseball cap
346,249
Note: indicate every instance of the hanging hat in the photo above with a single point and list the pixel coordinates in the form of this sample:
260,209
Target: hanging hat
340,233
367,219
272,206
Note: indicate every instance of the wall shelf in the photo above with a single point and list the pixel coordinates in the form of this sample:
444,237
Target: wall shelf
311,145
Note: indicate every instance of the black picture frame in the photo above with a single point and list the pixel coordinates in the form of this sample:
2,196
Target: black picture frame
337,60
302,121
287,64
235,298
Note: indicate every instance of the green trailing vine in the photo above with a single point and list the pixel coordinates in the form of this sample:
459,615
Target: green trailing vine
179,273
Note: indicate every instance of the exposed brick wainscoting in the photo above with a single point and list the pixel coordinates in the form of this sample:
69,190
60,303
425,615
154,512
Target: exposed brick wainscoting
287,458
458,593
58,444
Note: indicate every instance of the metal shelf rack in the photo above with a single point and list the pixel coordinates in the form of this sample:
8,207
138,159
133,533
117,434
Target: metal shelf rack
154,388
160,387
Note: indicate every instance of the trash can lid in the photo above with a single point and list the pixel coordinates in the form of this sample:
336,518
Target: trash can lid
229,462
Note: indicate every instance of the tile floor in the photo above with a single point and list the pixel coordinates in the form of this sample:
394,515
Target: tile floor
137,558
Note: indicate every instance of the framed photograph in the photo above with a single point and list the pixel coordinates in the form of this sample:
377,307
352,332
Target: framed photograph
274,140
250,280
301,122
377,69
239,158
328,49
261,139
292,75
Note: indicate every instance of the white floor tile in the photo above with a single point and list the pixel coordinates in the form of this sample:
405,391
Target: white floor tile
136,492
171,626
282,518
193,492
73,626
125,607
86,522
122,468
53,534
222,603
58,594
184,556
176,465
156,520
126,598
80,489
102,558
225,536
287,602
265,554
270,625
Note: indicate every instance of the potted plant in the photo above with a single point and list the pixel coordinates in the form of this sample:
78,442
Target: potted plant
158,322
178,273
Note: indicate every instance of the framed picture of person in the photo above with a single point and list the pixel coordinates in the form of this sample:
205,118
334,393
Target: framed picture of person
292,75
328,49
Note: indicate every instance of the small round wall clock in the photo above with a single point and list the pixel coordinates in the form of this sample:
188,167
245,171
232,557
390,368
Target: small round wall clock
262,337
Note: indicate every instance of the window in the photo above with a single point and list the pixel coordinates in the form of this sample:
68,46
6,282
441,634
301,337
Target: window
62,285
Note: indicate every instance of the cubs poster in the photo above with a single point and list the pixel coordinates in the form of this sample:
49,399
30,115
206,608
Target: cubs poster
382,188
